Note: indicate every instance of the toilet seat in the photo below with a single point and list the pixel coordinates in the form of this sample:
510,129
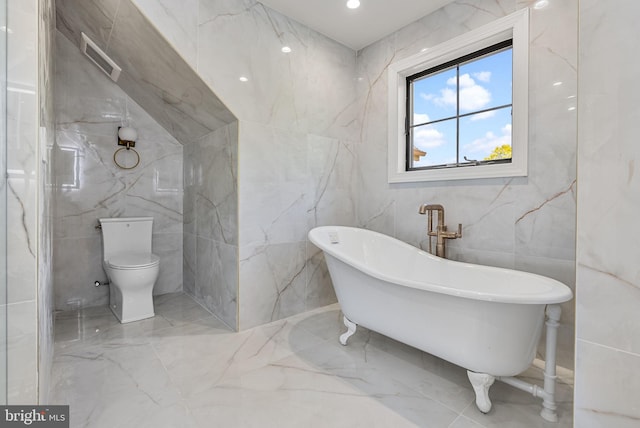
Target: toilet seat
130,260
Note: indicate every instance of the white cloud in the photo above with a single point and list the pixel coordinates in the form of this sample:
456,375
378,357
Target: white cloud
428,137
420,118
483,76
466,81
490,141
474,98
447,98
472,95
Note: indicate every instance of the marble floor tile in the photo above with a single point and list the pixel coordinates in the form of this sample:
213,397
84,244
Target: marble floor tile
228,354
294,394
185,368
115,385
82,324
434,378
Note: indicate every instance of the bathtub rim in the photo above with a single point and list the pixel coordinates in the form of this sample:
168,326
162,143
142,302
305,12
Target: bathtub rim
560,292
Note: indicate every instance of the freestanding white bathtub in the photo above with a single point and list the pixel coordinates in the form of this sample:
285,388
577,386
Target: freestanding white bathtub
485,319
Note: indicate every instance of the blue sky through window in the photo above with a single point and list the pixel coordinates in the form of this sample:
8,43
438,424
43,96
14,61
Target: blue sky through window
485,83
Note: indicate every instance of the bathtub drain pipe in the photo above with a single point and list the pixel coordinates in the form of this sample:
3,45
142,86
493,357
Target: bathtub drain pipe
549,401
548,393
531,388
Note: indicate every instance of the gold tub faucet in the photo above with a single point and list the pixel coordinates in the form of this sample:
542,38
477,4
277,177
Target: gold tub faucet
440,232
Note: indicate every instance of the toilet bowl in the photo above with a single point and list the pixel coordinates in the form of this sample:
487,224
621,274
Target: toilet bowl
130,265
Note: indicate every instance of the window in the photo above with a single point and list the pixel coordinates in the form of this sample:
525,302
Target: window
459,113
459,110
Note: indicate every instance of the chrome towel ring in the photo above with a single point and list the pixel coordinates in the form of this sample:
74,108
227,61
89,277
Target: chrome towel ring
115,160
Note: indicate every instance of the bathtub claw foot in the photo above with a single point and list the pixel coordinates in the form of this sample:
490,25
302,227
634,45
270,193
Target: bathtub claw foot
481,383
351,329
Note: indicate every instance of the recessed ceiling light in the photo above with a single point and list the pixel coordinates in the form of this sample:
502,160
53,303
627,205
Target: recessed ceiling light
353,4
286,49
557,83
243,79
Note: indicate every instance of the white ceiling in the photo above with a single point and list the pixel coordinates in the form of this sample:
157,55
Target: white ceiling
355,28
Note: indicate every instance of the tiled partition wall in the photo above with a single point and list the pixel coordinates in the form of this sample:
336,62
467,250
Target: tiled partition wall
89,109
523,223
46,51
608,249
211,222
29,131
296,146
3,207
22,191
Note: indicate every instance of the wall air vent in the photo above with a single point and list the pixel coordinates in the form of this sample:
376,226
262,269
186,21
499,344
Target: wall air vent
99,58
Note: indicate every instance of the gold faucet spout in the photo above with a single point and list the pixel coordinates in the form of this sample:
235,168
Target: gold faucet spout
424,208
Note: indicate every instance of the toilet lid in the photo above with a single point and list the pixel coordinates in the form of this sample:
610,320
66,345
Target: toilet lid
133,260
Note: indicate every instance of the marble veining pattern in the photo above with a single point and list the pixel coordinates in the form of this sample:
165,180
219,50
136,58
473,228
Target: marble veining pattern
154,74
179,23
296,147
28,256
608,322
210,241
304,106
293,111
185,368
46,52
524,222
89,185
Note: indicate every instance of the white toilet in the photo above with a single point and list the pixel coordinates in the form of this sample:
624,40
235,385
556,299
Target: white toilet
130,265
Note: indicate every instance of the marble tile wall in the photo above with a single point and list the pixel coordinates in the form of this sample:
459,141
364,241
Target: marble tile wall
153,73
297,122
157,78
3,210
89,109
275,105
211,222
538,211
46,51
608,248
29,129
291,104
296,134
293,183
524,223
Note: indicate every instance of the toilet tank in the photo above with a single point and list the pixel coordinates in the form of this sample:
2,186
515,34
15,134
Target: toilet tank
131,234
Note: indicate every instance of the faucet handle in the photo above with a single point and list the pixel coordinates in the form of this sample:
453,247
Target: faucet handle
459,232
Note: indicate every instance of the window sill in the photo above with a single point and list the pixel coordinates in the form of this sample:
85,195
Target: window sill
461,173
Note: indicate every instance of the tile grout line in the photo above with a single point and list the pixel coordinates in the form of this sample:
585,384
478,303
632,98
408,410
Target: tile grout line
610,348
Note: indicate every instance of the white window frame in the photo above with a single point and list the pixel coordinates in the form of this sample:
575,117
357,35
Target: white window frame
514,26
